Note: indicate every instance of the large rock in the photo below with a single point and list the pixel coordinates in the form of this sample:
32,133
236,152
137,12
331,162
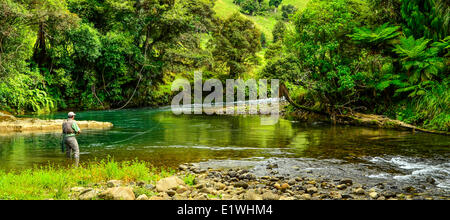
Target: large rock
118,193
169,183
142,197
88,194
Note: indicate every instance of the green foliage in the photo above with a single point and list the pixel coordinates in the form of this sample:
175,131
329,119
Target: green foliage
275,3
52,182
101,54
385,11
287,10
421,62
19,93
249,7
430,110
375,37
236,42
426,18
321,46
443,45
263,40
279,31
189,179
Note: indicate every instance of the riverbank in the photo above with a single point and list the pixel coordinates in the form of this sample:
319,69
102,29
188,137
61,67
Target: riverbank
10,124
135,180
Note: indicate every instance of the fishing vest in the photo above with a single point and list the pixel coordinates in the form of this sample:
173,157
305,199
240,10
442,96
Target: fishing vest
67,127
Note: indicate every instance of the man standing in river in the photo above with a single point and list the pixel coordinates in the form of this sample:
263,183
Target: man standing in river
70,130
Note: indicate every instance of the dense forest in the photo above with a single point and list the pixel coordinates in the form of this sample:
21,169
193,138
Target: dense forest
387,57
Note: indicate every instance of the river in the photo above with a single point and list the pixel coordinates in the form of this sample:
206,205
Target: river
164,139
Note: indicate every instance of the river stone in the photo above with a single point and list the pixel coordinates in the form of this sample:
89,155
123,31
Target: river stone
252,195
220,186
118,193
114,183
208,191
409,189
284,186
168,183
305,196
171,193
347,182
270,196
389,194
241,184
311,182
292,182
341,186
181,189
347,196
201,196
311,190
335,195
277,186
77,189
183,167
142,197
373,195
359,191
88,194
140,183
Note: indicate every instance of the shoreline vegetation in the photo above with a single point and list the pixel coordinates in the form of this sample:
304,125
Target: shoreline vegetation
137,180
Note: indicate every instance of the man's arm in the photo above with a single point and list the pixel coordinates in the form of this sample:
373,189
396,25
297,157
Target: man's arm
76,128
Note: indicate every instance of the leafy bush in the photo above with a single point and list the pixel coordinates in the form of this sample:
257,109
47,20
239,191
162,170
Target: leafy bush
20,93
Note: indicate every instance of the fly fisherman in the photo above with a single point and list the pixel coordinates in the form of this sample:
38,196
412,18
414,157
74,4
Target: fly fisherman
70,130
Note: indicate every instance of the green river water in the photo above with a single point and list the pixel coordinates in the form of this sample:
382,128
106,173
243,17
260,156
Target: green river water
165,139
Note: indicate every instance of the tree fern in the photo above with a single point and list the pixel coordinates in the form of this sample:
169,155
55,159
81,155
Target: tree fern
421,62
375,37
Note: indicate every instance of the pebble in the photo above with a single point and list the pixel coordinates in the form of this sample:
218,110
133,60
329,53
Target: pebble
373,195
311,190
341,186
241,184
359,191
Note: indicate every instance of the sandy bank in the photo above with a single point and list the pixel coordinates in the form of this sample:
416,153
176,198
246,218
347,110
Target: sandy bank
10,124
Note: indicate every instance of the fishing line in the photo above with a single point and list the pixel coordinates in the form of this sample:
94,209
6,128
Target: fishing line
137,135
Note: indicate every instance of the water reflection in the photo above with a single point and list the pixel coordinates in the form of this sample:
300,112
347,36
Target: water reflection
158,136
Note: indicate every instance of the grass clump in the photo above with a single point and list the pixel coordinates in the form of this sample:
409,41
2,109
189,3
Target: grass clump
189,179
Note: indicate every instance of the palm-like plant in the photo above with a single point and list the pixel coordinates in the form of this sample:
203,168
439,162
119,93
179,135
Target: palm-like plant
375,37
421,62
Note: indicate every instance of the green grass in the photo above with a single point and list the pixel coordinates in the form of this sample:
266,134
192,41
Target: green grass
225,8
51,182
189,180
